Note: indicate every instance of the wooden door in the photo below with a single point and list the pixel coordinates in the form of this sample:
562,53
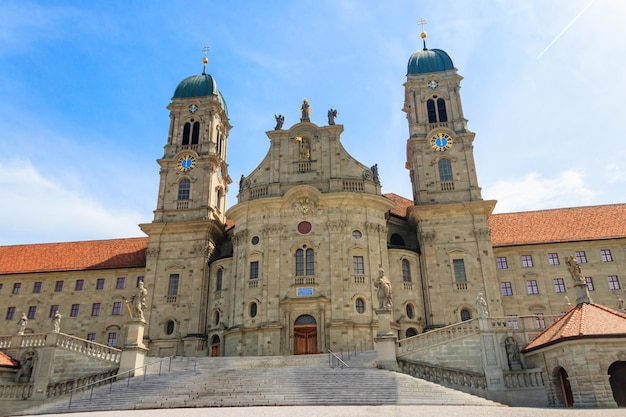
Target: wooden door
566,388
305,339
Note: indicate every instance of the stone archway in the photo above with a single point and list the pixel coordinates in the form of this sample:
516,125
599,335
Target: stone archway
305,335
617,379
565,389
216,346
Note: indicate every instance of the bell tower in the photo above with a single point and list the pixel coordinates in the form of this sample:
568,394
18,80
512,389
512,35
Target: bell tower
450,214
189,220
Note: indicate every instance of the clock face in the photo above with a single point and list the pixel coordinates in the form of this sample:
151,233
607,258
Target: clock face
193,108
441,142
433,84
186,162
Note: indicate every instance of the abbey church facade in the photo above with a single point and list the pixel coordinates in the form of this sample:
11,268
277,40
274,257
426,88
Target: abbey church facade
289,269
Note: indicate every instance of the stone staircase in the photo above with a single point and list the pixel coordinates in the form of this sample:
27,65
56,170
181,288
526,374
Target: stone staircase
264,381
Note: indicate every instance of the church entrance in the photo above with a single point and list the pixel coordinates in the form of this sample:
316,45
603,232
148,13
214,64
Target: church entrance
566,389
617,379
215,346
305,335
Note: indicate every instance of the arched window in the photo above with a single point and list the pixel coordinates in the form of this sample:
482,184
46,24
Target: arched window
410,332
186,132
396,240
216,317
184,187
218,199
441,109
305,262
359,305
406,270
465,315
445,170
218,280
195,133
410,311
253,309
432,113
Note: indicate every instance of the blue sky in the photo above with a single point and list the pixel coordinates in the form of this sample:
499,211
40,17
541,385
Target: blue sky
84,86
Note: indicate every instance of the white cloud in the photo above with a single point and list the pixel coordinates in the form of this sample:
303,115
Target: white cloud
534,192
37,209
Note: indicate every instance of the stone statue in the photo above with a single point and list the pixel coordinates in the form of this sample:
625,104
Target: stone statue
375,176
481,306
512,353
241,182
383,286
574,269
280,119
138,301
332,114
305,111
26,366
620,304
56,322
21,324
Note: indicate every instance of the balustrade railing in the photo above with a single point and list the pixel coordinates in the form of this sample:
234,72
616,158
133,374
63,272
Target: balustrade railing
524,379
359,279
438,336
446,185
16,391
259,192
304,280
88,348
355,186
443,375
66,387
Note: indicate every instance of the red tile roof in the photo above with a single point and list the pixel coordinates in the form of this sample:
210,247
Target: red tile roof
74,256
7,361
401,204
582,321
547,226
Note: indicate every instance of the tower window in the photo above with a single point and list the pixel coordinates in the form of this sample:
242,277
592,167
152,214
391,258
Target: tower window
459,270
432,113
172,285
195,133
445,170
191,130
186,132
305,262
254,270
441,109
436,110
406,270
396,240
358,265
184,187
218,281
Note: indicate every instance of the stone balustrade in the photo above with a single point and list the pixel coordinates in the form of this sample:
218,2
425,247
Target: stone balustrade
436,337
86,347
524,379
443,375
16,391
64,387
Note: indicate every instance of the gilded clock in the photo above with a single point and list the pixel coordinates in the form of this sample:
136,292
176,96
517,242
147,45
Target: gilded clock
433,84
186,163
441,141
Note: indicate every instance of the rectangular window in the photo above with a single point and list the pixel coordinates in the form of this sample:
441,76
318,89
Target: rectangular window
139,279
459,270
310,262
121,283
17,287
511,321
53,310
581,257
531,286
10,313
58,286
506,288
606,255
91,337
32,311
589,282
553,259
540,321
172,286
95,309
112,339
613,282
559,285
527,261
37,287
358,265
79,285
74,310
117,308
1,285
100,284
501,262
254,270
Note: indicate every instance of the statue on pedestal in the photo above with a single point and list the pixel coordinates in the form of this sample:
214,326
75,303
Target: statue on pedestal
481,306
138,301
56,322
383,286
21,324
574,269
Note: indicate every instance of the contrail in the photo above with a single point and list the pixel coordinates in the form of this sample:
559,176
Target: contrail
566,27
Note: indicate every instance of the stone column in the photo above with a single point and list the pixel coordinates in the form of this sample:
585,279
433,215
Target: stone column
385,342
134,351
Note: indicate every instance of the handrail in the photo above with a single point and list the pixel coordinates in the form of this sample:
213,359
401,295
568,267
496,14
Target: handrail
101,381
331,363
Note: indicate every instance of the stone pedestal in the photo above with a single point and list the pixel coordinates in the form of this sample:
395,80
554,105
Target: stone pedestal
386,342
134,351
491,360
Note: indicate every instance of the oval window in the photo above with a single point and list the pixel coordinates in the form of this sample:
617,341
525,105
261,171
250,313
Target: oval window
169,327
253,310
410,311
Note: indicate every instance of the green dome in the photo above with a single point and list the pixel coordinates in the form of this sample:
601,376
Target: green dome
199,86
429,60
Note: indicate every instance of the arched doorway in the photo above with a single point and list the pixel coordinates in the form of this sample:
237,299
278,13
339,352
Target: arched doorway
215,345
305,335
566,388
617,379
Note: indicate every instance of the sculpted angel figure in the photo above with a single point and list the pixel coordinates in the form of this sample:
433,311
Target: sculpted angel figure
383,286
